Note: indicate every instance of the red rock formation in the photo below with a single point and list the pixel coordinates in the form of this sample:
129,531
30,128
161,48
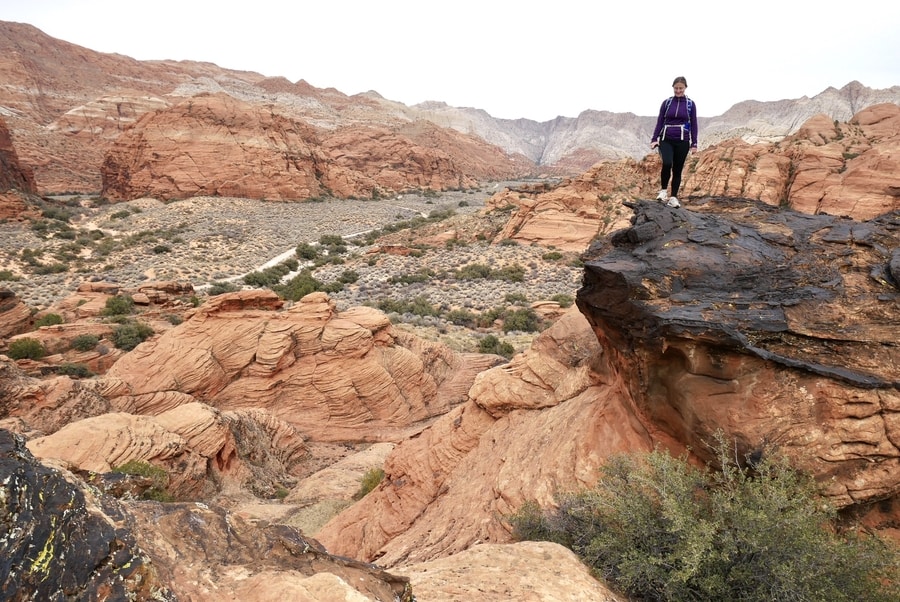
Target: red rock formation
839,169
736,317
826,167
15,316
336,376
215,145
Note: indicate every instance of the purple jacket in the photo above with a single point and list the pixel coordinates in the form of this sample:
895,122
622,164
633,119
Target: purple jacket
677,120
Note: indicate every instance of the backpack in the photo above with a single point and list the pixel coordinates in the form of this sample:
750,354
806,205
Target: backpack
690,106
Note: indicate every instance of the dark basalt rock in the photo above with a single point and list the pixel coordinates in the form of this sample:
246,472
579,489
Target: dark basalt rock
56,545
812,292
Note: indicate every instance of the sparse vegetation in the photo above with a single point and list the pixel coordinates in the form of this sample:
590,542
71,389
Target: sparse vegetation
157,475
370,480
74,370
120,305
491,344
658,528
85,342
129,335
26,348
48,320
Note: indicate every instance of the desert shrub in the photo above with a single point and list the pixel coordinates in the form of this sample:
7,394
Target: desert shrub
129,335
524,320
658,528
563,299
85,342
422,275
419,306
552,256
516,298
306,251
26,348
491,344
462,317
76,370
157,476
122,214
160,249
512,273
120,305
369,481
473,271
219,288
298,287
8,276
48,320
349,276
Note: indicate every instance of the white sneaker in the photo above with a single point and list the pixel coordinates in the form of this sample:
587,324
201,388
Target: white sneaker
661,196
673,202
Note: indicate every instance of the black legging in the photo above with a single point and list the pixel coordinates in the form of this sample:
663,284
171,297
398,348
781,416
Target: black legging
674,153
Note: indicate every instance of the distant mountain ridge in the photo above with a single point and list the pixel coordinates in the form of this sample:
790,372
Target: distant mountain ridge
66,105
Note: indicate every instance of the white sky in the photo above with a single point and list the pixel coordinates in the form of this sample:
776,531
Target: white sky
512,58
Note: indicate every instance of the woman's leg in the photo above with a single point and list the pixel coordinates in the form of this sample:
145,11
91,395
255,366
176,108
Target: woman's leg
680,150
666,153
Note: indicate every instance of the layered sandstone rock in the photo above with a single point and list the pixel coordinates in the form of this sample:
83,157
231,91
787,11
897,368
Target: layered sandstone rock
847,169
13,175
336,376
201,448
826,167
530,570
15,316
542,424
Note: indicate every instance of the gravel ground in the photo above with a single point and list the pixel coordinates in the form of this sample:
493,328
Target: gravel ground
206,239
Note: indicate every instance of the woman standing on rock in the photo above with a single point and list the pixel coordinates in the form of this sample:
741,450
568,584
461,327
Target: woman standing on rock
676,136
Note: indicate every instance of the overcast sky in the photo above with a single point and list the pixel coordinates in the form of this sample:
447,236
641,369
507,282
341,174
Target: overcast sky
515,58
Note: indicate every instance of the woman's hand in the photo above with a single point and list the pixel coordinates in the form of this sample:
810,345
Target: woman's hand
654,144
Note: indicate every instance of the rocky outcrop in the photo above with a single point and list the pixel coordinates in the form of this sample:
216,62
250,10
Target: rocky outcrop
60,541
541,424
848,169
15,316
13,175
336,376
530,570
215,145
65,539
826,167
776,327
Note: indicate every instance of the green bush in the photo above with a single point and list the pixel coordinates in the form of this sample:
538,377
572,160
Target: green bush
491,344
369,481
158,477
8,276
657,528
48,320
563,299
120,305
524,320
306,251
85,342
298,287
129,335
76,370
26,348
218,288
